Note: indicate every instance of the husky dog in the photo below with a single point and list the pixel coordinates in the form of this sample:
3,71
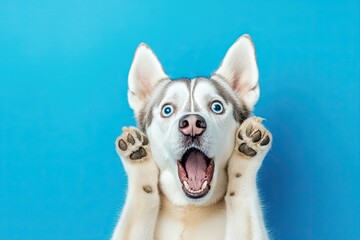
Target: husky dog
193,160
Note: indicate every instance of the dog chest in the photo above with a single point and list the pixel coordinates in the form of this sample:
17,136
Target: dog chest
176,222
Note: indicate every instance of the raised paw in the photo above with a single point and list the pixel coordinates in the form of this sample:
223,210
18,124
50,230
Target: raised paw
252,137
133,144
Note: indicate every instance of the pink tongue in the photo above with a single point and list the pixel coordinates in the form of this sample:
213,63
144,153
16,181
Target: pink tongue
195,167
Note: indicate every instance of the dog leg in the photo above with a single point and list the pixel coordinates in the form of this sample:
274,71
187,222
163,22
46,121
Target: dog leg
244,218
139,215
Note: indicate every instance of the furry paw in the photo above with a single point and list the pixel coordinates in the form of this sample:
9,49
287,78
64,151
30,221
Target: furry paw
133,145
252,138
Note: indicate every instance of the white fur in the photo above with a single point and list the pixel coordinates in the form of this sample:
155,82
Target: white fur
145,72
239,66
231,209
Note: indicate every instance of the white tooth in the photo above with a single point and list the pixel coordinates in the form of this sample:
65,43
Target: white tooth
204,185
186,185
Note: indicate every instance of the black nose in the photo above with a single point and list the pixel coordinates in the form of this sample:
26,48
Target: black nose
192,125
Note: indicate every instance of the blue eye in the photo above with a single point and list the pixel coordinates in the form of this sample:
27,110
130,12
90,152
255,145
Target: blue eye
167,110
217,107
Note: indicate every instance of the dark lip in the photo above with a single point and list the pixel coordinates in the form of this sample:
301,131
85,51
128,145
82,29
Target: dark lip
209,162
196,195
192,141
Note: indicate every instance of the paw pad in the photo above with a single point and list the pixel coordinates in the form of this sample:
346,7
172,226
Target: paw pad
133,144
248,151
130,139
122,145
252,137
138,154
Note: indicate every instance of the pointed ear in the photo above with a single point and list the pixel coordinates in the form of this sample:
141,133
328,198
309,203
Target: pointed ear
145,72
240,70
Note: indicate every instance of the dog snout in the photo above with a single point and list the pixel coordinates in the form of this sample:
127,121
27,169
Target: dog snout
192,125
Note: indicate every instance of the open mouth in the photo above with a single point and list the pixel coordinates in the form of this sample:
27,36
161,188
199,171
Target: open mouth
195,171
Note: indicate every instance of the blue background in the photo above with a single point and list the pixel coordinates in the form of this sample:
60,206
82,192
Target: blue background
63,83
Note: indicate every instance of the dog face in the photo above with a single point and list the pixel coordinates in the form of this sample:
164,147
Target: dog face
191,123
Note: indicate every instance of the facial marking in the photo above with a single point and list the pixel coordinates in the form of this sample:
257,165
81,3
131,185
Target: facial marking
170,145
204,94
240,112
146,113
193,83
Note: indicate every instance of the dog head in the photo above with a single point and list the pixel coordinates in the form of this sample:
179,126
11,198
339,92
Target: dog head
191,123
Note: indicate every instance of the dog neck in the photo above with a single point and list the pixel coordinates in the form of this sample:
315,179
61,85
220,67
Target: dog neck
189,213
